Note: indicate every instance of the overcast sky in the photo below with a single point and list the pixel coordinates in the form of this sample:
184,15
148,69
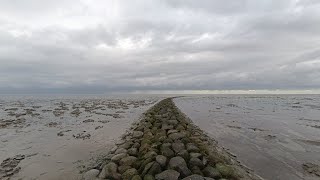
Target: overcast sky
97,46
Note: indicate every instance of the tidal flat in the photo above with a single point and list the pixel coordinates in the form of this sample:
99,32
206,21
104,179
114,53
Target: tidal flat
277,136
57,137
61,137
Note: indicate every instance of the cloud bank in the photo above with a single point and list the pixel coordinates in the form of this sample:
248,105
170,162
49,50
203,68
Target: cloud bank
105,46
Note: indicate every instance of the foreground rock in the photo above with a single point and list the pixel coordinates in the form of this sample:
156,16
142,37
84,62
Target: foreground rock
165,145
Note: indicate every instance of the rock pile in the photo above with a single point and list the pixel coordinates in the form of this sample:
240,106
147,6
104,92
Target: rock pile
164,145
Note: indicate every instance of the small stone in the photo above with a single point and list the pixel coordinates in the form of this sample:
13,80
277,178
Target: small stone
208,178
150,154
167,152
168,140
113,149
204,161
192,148
129,174
172,122
176,136
225,170
128,161
209,171
166,145
136,177
123,169
194,177
137,134
91,174
155,169
133,151
120,150
109,171
126,145
179,164
177,147
195,155
136,145
196,170
147,168
168,175
148,177
172,131
118,157
184,154
162,160
166,127
196,162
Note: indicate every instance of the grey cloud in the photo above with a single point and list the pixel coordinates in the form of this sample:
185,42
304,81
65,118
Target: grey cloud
159,45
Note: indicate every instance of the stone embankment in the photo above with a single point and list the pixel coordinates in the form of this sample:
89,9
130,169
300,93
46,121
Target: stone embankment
165,145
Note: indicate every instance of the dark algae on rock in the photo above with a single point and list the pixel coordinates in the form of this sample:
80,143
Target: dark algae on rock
165,145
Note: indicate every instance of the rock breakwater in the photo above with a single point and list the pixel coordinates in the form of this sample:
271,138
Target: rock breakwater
165,145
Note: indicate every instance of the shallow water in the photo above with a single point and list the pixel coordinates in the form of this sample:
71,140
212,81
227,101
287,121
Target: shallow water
271,134
59,136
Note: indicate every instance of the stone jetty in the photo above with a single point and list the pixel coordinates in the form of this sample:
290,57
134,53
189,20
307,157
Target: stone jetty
165,145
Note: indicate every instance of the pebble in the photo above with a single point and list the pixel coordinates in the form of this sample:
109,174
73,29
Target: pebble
129,174
118,157
177,147
91,174
209,171
196,162
179,164
194,177
120,150
168,175
162,160
127,161
137,134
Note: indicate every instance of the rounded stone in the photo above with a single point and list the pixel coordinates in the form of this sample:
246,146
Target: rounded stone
136,177
127,161
137,134
177,147
196,162
136,145
162,160
225,170
126,145
176,136
155,169
192,148
209,171
109,171
91,174
179,164
184,154
167,152
123,169
133,151
194,177
147,168
148,177
172,131
150,154
120,150
116,158
129,174
168,175
195,155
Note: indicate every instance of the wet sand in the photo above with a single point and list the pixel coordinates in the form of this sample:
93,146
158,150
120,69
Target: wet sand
58,138
276,136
